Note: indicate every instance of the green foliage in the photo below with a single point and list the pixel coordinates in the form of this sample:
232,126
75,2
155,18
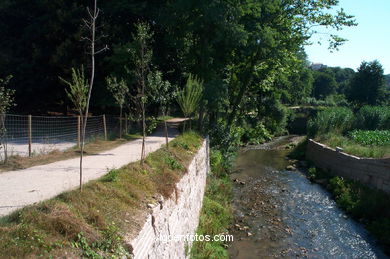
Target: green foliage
371,137
226,139
118,89
335,120
160,91
368,85
141,52
187,140
324,84
173,163
151,125
350,146
312,173
256,135
190,96
112,176
373,117
216,214
78,89
6,95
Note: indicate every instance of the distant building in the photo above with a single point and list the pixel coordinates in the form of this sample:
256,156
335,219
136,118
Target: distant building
317,66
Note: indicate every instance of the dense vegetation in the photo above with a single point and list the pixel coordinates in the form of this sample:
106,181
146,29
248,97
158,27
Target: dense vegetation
216,215
239,49
362,133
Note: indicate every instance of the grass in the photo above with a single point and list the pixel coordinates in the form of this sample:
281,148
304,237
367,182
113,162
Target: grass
364,204
353,147
19,162
92,223
216,214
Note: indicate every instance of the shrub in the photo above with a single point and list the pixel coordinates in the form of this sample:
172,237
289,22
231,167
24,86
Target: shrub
256,135
226,139
371,137
373,117
335,120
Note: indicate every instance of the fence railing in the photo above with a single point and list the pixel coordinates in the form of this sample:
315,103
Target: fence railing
27,135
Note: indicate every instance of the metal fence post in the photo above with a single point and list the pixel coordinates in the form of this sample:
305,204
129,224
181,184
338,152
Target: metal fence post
126,131
29,135
105,127
78,130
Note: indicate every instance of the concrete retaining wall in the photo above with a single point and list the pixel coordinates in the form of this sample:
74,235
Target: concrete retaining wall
373,172
176,216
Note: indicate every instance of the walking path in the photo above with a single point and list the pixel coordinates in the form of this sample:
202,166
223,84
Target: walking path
38,183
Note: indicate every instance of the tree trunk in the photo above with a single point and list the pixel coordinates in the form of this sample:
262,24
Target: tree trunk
165,130
93,31
120,122
143,152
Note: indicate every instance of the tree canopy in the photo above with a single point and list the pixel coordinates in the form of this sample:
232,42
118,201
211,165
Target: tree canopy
368,85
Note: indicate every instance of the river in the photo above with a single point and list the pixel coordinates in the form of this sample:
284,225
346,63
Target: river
280,213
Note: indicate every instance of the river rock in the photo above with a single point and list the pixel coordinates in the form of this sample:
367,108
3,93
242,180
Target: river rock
290,168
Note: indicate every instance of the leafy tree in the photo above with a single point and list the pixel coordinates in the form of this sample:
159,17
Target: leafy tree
119,91
368,84
189,98
161,92
324,84
6,102
141,54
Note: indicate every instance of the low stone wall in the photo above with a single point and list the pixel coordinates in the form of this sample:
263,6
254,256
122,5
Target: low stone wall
178,215
373,172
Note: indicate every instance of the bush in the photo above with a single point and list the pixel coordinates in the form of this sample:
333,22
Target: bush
256,135
276,117
227,139
335,120
371,137
373,117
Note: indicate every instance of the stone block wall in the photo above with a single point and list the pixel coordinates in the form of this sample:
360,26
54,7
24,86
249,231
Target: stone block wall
176,216
373,172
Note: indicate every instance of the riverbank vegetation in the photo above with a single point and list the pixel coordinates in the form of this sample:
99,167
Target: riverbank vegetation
216,215
362,132
366,205
92,223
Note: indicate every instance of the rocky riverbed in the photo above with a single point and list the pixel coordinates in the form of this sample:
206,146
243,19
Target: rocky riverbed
279,213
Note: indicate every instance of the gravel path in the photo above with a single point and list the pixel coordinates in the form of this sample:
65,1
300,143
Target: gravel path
38,183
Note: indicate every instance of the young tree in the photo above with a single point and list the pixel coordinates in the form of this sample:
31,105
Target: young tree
189,98
6,101
78,90
161,92
141,53
368,84
119,91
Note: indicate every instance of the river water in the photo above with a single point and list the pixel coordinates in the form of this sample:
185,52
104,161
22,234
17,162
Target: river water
279,213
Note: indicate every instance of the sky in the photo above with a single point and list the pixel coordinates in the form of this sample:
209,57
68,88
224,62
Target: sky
367,41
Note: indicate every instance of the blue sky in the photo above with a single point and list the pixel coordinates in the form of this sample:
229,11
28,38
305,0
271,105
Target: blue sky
368,41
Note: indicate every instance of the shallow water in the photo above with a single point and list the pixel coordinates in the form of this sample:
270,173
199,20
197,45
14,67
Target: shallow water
280,213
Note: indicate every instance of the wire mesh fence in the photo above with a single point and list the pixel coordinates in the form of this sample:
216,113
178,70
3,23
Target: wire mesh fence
28,135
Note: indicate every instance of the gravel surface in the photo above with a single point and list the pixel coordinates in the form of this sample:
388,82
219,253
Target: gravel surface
38,183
